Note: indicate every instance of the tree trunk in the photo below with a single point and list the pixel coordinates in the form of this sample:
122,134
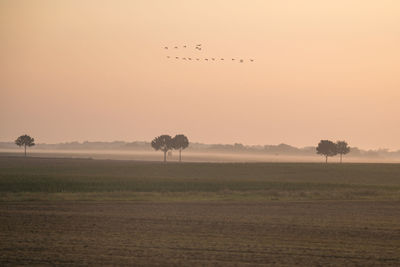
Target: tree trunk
180,157
25,150
341,158
165,156
326,159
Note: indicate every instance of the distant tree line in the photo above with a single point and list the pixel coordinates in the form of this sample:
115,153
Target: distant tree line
166,143
328,148
277,150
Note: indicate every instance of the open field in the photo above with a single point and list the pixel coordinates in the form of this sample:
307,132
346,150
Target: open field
84,179
107,212
327,233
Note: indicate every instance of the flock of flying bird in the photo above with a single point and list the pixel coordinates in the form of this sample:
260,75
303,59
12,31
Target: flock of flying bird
199,48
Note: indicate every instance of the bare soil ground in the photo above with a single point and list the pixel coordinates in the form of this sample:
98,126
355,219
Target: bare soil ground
325,233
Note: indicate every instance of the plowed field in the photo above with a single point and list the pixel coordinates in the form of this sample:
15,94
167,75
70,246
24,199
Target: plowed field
125,233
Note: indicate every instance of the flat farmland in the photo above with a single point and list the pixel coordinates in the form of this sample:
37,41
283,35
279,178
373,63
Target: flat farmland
351,233
103,212
86,179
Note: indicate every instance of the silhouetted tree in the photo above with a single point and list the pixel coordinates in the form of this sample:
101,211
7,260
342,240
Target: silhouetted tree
326,148
342,148
180,142
25,140
163,143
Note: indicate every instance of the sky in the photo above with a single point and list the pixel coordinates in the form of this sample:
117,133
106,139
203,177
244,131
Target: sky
97,70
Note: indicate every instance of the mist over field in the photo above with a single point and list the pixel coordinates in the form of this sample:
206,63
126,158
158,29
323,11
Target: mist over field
197,152
190,156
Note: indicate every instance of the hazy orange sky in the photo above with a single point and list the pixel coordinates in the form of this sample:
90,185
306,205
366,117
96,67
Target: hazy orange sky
96,70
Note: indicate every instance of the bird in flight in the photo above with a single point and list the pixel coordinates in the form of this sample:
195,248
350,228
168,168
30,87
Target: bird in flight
199,47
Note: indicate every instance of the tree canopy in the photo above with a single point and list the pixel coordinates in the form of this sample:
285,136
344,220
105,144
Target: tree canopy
25,140
163,143
342,148
180,142
327,148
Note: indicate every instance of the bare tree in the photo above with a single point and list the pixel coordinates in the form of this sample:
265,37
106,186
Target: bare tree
180,142
163,143
25,140
342,148
327,148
